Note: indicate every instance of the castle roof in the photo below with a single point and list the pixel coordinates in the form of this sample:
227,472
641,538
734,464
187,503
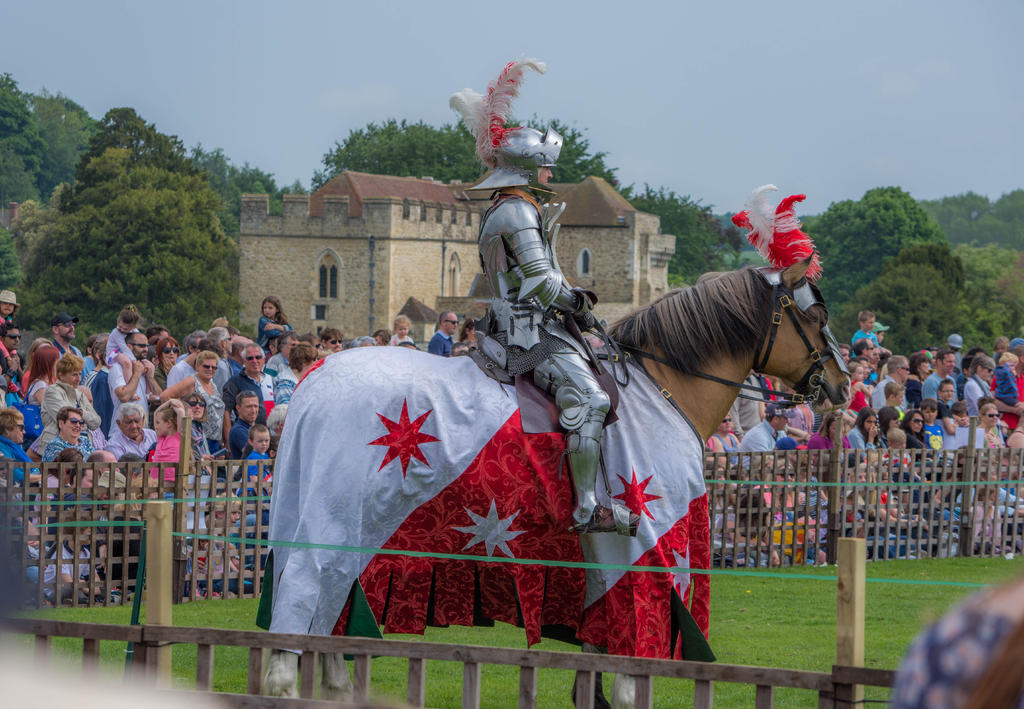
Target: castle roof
417,311
358,186
593,202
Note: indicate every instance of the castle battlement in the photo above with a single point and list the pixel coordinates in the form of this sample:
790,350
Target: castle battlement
339,216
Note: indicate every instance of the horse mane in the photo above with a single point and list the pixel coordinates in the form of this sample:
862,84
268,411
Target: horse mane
726,312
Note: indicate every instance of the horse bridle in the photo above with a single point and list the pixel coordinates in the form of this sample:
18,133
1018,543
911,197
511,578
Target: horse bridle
808,388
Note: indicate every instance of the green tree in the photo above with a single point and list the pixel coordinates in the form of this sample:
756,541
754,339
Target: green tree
992,301
10,269
446,153
857,238
404,149
20,145
971,218
141,226
231,182
917,294
145,145
703,243
65,129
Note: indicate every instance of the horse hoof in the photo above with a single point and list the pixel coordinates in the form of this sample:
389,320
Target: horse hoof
281,676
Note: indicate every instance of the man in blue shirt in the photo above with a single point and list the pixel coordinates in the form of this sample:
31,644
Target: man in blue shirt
945,361
441,342
247,406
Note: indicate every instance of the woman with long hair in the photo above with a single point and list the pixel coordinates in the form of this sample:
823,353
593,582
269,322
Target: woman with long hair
43,368
865,430
166,351
913,425
920,367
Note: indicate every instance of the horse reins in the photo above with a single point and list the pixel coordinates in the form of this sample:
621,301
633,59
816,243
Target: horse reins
810,383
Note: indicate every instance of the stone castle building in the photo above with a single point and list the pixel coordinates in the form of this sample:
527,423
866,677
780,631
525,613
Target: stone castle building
365,247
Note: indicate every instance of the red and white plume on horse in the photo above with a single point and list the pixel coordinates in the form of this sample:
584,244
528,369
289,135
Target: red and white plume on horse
485,116
776,234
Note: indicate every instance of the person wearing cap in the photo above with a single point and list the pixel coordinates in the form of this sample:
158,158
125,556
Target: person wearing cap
879,329
63,327
765,435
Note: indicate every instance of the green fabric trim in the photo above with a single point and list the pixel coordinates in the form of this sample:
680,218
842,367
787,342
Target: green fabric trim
266,607
695,645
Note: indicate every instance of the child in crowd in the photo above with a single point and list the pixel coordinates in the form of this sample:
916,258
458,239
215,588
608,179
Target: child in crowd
962,422
118,351
894,395
259,440
273,321
167,424
932,428
1004,387
402,327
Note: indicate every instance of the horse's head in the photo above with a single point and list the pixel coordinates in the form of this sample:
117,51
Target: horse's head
798,346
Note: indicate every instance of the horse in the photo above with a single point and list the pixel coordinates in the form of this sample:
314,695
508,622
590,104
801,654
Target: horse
394,451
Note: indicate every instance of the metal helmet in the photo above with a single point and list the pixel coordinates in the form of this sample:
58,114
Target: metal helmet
520,156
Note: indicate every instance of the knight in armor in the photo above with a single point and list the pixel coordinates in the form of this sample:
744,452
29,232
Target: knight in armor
534,307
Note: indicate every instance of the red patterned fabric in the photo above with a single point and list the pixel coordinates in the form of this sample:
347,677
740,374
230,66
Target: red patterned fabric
518,473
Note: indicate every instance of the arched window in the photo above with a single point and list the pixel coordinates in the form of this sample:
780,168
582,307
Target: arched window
328,268
454,271
583,263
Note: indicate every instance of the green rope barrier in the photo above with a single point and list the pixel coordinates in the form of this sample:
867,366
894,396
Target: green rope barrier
592,565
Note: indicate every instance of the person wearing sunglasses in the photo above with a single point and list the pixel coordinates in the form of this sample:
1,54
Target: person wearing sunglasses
441,342
66,392
331,340
200,386
10,341
251,378
167,351
71,433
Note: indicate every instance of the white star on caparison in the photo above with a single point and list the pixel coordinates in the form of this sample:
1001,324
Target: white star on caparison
491,530
681,578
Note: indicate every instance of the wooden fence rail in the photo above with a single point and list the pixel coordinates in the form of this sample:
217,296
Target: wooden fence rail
782,508
828,685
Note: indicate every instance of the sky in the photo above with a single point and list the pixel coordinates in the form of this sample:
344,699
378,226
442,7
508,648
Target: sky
707,99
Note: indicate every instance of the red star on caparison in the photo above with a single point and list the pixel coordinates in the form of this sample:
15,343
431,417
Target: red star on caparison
403,438
634,495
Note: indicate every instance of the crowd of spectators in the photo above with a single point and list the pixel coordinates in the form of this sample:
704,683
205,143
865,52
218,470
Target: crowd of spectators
922,399
125,396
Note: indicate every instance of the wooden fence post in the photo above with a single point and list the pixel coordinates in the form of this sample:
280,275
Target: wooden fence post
158,580
181,509
850,613
969,476
835,475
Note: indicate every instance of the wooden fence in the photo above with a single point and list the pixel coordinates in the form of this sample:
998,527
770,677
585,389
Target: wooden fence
77,547
834,689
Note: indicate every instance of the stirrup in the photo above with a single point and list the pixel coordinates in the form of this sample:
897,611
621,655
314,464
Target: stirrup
617,519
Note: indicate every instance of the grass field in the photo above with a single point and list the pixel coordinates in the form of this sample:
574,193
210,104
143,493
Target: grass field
778,621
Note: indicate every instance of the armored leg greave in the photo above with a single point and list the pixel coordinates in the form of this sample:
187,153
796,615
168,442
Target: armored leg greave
584,406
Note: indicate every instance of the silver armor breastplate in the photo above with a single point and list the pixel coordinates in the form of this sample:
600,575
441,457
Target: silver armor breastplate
518,258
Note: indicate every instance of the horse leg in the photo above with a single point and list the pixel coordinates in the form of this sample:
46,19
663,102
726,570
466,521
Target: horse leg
335,683
282,674
600,702
623,692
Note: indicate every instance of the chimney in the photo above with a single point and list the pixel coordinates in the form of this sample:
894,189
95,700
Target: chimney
12,212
